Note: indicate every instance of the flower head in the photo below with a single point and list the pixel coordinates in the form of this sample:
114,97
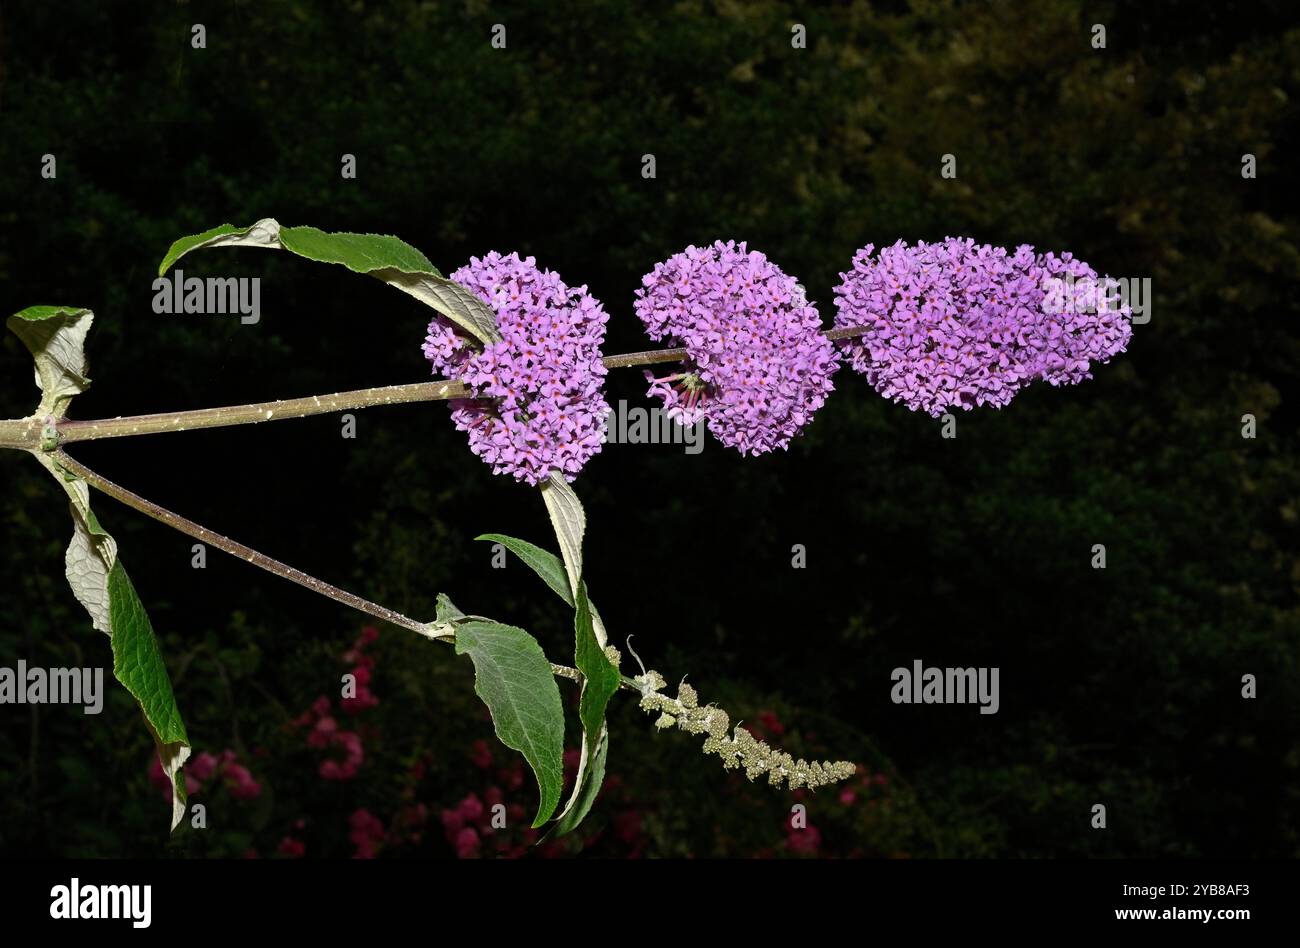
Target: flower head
956,324
758,365
538,408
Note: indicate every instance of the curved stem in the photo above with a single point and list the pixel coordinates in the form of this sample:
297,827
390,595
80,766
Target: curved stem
249,555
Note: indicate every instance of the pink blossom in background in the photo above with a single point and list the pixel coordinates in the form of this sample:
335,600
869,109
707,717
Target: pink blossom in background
239,782
467,843
481,754
471,808
771,723
201,766
354,756
806,841
366,833
322,732
235,777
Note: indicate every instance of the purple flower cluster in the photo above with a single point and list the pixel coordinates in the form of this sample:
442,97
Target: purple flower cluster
539,407
959,324
758,363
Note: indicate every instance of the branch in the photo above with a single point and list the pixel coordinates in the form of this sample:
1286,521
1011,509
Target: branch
26,433
70,431
270,564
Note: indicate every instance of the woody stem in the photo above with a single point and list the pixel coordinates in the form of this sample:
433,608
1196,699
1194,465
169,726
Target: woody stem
249,555
27,433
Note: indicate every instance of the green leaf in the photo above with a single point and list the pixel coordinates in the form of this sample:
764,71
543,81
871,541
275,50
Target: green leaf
384,257
550,568
360,253
444,624
514,679
600,681
588,788
56,338
542,562
591,660
600,676
446,609
570,523
265,234
100,583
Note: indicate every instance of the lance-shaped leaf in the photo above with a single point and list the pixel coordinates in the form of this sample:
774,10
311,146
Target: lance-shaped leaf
515,681
542,562
384,257
570,523
591,765
587,789
600,676
264,234
56,337
551,569
99,581
600,680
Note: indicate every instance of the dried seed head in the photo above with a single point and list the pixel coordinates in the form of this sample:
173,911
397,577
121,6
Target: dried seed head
739,749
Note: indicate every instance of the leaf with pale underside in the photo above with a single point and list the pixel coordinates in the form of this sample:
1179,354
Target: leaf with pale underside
99,581
600,681
265,234
382,256
587,788
569,522
56,336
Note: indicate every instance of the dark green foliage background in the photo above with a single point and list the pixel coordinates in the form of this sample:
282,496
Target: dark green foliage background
1118,686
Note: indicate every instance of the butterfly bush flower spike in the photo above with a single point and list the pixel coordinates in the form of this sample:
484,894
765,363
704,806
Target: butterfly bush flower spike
758,366
957,324
539,405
